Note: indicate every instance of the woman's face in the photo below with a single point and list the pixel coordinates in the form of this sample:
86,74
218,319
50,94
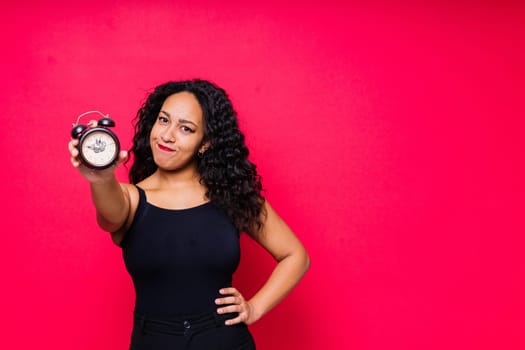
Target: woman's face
178,132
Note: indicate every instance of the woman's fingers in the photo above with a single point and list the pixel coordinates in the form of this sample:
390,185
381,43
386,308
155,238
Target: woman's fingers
72,146
123,155
241,318
229,291
228,300
75,162
235,303
229,309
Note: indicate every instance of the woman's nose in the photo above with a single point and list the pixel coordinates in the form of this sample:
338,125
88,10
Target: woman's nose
167,135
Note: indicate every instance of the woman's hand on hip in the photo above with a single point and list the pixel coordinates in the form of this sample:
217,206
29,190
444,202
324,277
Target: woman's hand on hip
235,302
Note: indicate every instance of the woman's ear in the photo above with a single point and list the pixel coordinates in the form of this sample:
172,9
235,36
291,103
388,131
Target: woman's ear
204,147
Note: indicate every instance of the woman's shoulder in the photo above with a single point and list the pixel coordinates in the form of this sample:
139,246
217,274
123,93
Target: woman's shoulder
148,184
131,191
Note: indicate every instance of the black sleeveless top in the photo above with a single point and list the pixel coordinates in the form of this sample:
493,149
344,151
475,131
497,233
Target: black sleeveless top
179,259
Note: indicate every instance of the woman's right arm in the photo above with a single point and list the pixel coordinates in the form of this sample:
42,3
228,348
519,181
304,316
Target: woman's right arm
111,199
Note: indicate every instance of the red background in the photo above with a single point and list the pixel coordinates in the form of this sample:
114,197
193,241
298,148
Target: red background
389,136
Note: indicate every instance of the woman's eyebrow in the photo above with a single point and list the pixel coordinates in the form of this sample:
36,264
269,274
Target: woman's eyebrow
165,113
181,120
186,121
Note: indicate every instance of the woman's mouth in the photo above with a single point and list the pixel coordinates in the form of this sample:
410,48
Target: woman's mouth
164,148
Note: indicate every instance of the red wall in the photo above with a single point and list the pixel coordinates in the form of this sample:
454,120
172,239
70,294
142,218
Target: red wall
390,137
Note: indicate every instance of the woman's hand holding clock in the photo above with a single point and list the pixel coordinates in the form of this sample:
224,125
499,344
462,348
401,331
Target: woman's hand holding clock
91,174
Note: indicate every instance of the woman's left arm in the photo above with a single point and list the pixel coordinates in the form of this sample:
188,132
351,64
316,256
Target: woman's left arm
292,262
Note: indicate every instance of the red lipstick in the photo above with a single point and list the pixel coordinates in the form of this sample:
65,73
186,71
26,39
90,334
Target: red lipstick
164,148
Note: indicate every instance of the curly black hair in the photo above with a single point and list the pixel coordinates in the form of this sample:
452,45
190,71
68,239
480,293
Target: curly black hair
231,180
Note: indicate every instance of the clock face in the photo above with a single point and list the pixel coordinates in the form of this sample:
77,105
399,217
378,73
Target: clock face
99,148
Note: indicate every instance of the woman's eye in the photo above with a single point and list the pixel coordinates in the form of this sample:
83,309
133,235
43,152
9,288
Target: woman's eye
163,120
186,129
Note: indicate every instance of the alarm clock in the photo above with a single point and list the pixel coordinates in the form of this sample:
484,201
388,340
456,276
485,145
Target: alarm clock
98,147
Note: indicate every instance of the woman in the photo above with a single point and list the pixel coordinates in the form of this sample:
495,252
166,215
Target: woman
192,192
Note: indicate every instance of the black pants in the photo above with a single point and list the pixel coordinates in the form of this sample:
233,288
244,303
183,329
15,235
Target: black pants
201,332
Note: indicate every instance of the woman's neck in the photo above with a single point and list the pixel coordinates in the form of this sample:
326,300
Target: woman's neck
174,190
179,178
